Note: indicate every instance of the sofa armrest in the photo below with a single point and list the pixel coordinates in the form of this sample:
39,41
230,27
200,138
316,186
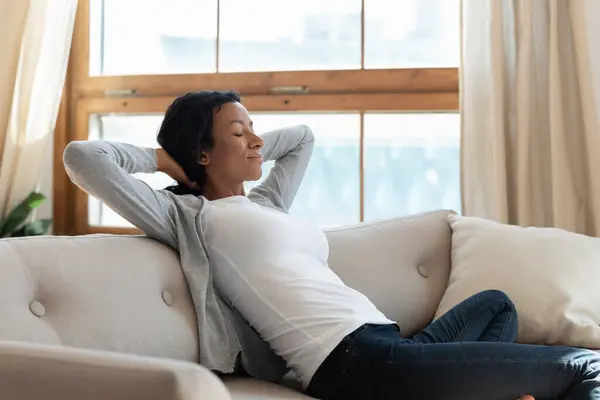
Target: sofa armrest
33,371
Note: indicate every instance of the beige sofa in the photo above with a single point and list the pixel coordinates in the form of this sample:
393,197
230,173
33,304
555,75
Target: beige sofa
110,317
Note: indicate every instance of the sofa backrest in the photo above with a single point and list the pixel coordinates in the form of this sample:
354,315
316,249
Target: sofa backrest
402,264
105,292
128,294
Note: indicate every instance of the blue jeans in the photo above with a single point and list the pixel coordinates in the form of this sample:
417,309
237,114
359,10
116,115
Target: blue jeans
468,353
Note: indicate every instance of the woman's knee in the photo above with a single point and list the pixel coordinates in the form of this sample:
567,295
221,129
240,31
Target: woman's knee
504,312
498,298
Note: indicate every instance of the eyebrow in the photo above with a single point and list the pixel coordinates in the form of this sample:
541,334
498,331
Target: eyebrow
239,121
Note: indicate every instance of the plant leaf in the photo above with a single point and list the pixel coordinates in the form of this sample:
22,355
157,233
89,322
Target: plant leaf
20,213
35,228
35,199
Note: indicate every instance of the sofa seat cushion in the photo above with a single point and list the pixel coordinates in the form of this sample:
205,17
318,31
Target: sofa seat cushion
35,371
253,389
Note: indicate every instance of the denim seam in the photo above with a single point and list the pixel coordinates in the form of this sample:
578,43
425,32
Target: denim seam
467,326
483,361
506,323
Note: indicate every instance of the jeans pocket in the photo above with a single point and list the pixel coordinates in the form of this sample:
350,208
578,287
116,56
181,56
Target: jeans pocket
353,339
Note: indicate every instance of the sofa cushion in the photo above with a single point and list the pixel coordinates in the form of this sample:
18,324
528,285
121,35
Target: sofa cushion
242,388
550,274
401,264
35,371
104,292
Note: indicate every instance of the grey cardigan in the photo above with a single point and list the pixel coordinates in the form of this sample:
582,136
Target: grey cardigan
103,170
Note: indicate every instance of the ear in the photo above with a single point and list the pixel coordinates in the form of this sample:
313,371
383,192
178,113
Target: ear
204,159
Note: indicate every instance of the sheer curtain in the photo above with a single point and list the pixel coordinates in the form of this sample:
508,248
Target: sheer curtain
530,103
35,39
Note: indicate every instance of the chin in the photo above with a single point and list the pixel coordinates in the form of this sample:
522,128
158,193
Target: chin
256,176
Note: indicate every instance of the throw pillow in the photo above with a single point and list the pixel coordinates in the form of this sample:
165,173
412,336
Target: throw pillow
552,276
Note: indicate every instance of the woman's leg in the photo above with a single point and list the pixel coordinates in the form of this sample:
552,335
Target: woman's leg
376,363
488,316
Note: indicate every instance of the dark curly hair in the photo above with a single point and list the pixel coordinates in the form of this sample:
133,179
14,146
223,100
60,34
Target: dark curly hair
186,132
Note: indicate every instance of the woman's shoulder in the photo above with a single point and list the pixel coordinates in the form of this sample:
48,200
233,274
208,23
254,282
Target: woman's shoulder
190,214
186,203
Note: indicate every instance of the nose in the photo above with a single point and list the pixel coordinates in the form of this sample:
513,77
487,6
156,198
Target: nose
255,142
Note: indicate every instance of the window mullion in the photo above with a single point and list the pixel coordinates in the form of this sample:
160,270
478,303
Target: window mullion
361,150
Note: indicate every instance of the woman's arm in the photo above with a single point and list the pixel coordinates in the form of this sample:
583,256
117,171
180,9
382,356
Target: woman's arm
291,148
103,170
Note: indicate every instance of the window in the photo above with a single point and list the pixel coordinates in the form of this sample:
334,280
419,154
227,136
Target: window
135,37
181,36
313,35
376,80
405,172
330,191
411,163
412,34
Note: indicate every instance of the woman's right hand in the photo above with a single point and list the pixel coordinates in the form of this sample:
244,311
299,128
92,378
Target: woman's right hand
167,165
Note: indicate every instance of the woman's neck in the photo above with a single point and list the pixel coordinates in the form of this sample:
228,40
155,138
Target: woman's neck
215,192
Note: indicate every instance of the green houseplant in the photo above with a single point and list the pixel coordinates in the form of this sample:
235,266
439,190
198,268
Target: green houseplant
15,224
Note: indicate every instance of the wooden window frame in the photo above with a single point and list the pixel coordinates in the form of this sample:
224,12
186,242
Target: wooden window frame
359,90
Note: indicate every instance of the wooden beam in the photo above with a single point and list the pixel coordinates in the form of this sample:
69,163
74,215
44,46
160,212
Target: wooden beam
79,205
80,45
414,102
355,102
60,181
426,80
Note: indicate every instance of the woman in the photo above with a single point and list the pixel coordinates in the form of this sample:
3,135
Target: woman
272,268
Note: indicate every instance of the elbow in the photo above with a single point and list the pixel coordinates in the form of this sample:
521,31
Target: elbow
79,154
73,152
308,135
73,158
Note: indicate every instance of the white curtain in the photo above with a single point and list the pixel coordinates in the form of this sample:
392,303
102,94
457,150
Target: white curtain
35,39
530,104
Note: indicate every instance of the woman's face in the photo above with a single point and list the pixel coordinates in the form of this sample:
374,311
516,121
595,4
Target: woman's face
235,156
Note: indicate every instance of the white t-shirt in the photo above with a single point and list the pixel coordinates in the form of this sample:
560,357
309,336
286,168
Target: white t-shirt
273,268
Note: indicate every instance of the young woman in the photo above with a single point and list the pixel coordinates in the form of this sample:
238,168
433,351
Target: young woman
272,269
